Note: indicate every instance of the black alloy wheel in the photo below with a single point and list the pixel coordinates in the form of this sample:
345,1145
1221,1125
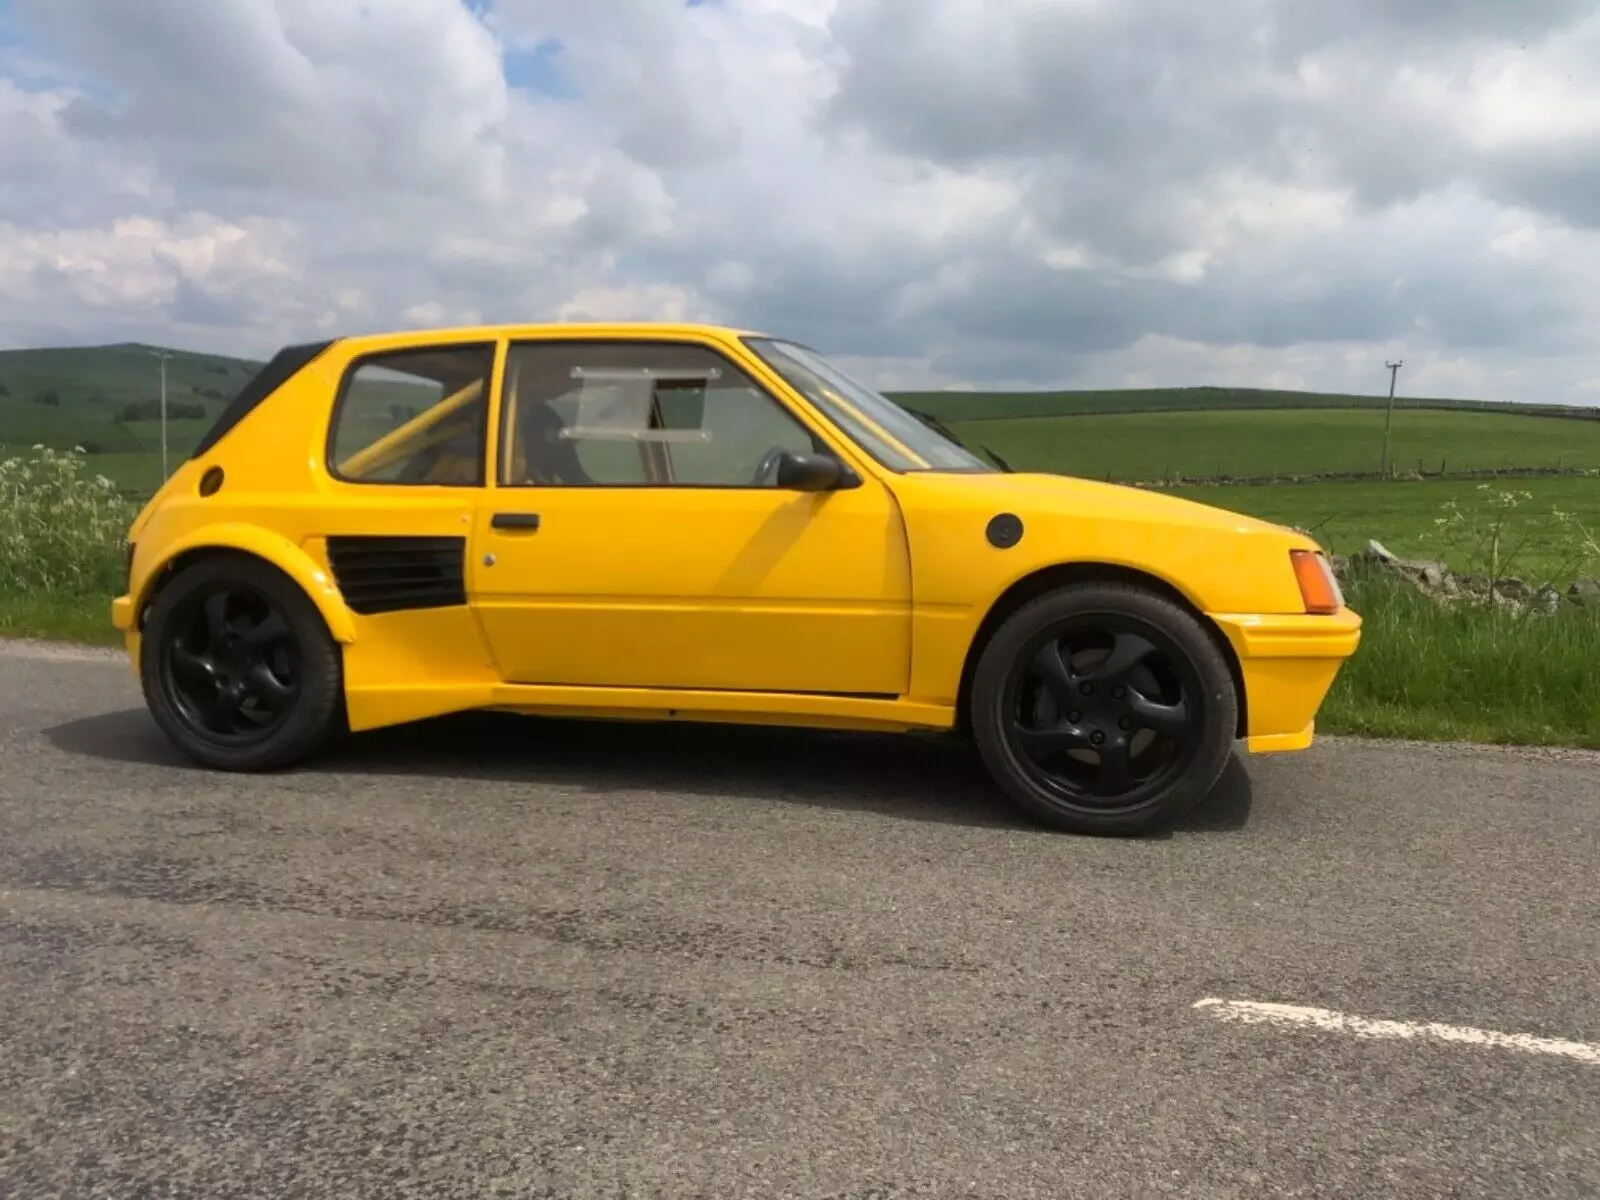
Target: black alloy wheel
238,668
1104,708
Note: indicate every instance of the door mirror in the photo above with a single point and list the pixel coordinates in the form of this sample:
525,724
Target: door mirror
815,473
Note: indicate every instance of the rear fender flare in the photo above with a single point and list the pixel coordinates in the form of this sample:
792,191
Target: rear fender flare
270,547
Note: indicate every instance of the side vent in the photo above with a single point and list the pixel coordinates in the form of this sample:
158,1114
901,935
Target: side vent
393,574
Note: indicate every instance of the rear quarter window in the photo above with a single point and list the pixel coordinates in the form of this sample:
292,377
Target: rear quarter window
416,416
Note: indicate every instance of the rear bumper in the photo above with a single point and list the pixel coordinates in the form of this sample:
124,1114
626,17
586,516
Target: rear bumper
1288,663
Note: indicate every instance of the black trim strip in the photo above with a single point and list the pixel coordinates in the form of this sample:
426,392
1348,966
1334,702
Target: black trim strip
285,365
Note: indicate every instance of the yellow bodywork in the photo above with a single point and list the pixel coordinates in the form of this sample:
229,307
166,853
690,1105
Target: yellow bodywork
856,608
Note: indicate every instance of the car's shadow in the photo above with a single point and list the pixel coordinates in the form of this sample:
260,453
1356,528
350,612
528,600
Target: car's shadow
911,778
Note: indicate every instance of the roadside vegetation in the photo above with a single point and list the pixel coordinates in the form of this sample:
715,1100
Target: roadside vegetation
1426,669
1513,662
1467,673
63,531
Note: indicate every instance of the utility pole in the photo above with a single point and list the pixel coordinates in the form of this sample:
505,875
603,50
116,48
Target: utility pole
163,355
1388,420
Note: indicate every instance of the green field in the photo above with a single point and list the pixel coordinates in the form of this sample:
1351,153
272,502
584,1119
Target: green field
1143,448
1204,445
1344,516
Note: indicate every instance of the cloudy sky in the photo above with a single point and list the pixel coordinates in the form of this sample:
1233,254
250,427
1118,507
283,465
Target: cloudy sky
945,192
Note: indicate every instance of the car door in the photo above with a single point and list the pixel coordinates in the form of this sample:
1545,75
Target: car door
628,541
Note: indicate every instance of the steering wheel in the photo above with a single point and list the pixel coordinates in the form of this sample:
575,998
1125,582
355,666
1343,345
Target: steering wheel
768,465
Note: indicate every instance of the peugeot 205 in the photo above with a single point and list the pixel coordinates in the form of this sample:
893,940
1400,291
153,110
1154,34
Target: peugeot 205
693,523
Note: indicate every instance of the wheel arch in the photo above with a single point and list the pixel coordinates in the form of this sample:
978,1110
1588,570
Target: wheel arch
274,550
1047,579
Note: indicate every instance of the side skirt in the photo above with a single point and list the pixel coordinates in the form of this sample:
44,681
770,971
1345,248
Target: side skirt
374,707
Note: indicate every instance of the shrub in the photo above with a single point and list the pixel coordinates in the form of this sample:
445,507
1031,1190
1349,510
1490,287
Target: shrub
62,530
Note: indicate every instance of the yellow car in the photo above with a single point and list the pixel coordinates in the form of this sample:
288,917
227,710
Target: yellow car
675,522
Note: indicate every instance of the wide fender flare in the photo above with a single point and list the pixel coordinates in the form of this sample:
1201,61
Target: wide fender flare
270,547
1098,566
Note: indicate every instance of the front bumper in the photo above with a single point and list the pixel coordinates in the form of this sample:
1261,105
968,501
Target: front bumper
1288,663
1281,743
1292,635
122,613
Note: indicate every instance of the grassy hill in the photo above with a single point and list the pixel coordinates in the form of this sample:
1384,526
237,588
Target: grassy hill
106,398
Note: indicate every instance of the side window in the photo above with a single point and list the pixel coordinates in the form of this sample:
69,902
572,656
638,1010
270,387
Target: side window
414,416
621,414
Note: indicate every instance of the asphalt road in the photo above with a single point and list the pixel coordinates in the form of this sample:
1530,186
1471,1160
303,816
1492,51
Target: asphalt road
506,957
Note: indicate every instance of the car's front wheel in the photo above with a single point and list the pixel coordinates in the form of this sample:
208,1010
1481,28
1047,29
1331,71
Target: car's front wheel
237,666
1104,708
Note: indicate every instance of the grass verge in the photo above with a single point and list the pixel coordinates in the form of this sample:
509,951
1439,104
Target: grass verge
1467,674
55,617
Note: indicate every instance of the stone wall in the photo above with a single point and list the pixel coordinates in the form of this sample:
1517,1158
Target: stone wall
1399,473
1447,586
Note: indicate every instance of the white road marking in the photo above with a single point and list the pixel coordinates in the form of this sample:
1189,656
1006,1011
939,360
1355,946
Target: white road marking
1252,1012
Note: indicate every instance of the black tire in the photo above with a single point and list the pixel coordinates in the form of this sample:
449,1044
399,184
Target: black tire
1054,747
238,668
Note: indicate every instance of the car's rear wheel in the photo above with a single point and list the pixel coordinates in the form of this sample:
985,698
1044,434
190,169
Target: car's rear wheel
238,668
1104,708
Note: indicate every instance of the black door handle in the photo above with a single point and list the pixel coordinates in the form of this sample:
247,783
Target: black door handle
515,521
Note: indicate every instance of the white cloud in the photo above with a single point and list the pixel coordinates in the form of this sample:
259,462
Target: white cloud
1009,192
657,302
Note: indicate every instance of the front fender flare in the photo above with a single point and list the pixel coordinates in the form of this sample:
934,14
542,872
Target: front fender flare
270,547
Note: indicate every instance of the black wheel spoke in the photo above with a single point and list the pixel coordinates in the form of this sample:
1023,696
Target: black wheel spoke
1170,720
197,670
1127,652
216,610
225,712
267,632
268,688
1052,669
1040,744
1116,768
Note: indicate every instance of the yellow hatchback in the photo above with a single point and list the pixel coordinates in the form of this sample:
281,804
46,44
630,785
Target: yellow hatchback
673,522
